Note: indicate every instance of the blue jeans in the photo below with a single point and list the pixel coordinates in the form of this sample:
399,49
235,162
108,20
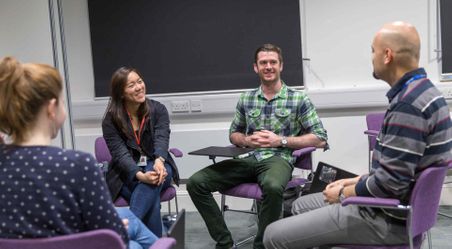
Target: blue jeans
144,199
139,235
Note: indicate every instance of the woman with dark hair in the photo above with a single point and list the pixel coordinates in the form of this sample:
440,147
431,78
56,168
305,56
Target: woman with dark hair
137,131
48,191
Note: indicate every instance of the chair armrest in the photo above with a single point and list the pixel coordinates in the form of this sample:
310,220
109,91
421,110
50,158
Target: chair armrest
303,151
176,152
371,202
372,133
163,243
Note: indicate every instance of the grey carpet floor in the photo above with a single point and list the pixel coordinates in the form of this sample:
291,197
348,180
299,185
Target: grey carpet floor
244,225
197,236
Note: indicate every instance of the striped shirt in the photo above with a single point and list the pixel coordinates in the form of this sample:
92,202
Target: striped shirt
288,113
416,133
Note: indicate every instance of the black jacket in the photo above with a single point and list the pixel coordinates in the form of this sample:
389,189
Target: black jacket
125,152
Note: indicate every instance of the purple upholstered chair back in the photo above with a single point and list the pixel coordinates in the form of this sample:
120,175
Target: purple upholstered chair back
425,198
303,158
424,203
101,150
103,154
163,243
96,239
374,122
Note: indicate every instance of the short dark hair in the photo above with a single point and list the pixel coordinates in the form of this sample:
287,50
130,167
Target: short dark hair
268,47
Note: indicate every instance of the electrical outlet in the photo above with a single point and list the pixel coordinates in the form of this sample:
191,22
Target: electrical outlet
180,106
196,106
447,92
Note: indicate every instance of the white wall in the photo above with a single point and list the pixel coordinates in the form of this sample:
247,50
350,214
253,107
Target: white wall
25,33
25,30
336,37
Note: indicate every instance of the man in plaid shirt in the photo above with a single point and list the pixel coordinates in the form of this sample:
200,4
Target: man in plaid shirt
273,119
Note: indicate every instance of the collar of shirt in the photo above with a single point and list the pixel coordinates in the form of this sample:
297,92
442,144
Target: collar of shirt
401,83
281,94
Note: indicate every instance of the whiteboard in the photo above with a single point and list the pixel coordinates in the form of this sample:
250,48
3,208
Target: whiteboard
337,37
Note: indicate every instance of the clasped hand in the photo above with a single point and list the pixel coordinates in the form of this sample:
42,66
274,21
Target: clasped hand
331,192
263,139
155,177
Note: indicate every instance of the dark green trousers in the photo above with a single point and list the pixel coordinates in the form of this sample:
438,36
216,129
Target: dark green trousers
271,174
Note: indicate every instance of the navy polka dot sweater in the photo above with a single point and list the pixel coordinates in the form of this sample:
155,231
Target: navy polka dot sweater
47,191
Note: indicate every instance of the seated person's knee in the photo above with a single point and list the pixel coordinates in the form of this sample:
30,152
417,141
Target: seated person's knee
272,189
194,182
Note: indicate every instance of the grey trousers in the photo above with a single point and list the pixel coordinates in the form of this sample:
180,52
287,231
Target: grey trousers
316,224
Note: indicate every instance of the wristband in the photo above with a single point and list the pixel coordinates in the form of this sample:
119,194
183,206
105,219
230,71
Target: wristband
161,159
341,194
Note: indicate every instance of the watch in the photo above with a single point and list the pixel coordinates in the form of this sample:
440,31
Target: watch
341,195
161,159
283,141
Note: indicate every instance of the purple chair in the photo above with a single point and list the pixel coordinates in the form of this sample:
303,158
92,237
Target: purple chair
253,191
95,239
103,155
447,182
374,122
422,208
164,243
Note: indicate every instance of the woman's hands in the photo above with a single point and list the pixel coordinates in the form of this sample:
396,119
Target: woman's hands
155,177
149,177
125,222
159,167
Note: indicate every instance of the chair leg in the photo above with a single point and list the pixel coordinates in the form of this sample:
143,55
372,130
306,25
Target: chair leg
429,239
445,215
254,210
223,204
169,207
177,206
245,240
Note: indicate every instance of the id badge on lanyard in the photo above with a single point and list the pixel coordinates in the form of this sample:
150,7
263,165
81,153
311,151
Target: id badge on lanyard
143,161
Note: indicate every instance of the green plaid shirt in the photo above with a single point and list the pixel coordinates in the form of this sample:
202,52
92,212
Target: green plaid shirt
289,113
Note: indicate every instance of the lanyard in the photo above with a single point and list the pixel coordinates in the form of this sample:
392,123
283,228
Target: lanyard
415,77
137,138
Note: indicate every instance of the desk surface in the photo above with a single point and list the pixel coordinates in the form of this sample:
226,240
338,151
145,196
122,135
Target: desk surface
222,151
